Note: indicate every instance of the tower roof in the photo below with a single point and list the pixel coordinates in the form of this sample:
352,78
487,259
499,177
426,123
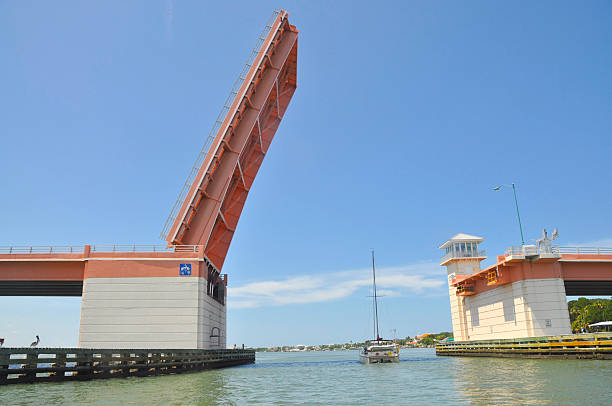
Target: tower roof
461,237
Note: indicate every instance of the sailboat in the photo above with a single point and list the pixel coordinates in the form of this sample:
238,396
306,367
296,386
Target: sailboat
379,350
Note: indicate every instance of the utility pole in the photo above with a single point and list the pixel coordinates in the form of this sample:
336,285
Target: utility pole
518,215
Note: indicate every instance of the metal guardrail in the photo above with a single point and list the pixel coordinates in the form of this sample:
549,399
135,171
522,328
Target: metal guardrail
585,250
80,249
213,132
477,254
514,251
144,248
532,250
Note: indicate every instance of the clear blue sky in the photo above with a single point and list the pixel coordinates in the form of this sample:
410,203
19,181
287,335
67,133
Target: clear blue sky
406,115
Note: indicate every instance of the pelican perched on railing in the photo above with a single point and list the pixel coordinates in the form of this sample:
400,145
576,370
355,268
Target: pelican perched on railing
35,343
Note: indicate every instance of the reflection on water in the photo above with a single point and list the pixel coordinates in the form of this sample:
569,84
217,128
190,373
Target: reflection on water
486,381
337,377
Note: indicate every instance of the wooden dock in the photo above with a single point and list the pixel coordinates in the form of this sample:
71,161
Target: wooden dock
18,365
573,346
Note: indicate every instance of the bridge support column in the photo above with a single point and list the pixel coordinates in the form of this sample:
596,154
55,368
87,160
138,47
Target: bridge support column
162,312
526,308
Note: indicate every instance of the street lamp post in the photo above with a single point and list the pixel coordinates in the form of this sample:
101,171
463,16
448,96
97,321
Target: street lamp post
518,215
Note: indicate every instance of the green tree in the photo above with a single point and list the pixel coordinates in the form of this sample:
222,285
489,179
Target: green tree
585,311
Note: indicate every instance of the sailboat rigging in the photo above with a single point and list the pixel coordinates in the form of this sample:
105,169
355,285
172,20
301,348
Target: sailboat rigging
379,350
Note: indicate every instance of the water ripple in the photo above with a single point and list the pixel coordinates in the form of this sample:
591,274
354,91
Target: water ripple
337,378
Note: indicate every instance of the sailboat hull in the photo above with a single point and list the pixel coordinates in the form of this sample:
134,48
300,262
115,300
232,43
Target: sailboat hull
378,359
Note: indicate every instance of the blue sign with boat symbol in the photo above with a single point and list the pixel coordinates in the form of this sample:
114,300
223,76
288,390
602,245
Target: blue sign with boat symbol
185,270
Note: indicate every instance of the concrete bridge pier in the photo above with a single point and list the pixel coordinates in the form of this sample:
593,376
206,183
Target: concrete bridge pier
153,303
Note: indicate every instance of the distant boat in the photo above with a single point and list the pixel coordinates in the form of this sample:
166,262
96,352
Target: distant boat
379,350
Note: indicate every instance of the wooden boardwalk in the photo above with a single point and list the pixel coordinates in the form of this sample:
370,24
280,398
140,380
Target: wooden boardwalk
576,346
31,365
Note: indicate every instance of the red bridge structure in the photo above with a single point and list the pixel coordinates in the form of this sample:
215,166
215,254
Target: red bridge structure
173,296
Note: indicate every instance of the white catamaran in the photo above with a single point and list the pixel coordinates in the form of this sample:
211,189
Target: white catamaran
379,350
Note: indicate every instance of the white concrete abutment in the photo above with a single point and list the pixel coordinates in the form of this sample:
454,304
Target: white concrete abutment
151,312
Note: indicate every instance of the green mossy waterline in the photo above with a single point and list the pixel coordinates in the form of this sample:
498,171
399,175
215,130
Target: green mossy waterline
570,346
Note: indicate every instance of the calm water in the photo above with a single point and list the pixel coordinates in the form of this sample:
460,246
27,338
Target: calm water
337,378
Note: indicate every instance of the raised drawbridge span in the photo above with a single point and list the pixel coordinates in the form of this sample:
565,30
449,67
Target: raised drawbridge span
207,212
173,296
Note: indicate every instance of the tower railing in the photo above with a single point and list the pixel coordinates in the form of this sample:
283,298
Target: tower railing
467,254
215,128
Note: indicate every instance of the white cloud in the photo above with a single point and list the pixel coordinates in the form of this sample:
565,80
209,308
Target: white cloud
393,281
387,293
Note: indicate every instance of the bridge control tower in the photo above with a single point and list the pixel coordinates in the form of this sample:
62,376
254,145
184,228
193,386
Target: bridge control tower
462,258
174,296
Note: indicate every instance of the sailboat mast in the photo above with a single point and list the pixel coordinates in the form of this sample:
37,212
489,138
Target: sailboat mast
375,299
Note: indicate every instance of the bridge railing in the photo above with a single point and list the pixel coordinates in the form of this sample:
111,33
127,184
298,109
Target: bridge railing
60,249
585,250
529,250
80,249
144,248
532,250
